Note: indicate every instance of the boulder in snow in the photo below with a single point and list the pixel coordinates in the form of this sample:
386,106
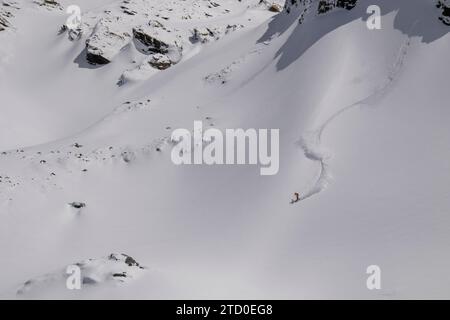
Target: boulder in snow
49,4
160,61
77,205
110,36
156,38
275,7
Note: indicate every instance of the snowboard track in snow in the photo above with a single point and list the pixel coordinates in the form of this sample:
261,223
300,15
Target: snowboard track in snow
310,142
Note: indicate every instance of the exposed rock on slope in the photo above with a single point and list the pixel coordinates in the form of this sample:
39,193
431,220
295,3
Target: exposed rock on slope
6,14
346,4
156,37
49,4
3,23
323,6
107,40
207,33
444,5
169,28
327,5
114,269
160,61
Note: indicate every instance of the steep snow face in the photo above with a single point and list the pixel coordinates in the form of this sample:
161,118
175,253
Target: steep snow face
363,140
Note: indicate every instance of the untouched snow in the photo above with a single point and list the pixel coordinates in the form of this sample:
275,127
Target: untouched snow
364,139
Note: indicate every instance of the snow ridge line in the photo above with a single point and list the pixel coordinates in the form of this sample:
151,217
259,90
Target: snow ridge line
310,142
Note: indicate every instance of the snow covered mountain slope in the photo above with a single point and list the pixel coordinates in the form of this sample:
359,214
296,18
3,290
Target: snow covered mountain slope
364,140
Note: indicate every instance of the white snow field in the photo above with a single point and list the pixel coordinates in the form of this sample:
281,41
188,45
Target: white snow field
364,139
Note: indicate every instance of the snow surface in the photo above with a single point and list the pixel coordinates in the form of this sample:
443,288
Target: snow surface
364,138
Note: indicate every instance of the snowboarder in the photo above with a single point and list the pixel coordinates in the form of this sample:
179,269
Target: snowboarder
296,198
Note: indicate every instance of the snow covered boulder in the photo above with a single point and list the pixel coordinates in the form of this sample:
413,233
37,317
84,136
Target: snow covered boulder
73,34
156,38
328,5
160,61
116,269
110,36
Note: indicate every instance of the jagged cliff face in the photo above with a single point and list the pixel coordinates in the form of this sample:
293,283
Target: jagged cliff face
324,6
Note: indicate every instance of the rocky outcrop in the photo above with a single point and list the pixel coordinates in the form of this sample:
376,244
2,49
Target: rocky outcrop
203,34
6,14
323,6
108,39
3,23
162,44
444,5
147,67
275,7
159,30
160,61
207,34
49,4
346,4
328,5
77,205
156,38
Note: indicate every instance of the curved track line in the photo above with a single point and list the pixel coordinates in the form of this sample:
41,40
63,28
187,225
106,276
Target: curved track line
311,141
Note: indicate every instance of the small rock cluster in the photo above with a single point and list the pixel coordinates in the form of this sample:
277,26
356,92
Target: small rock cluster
106,41
6,12
444,5
328,5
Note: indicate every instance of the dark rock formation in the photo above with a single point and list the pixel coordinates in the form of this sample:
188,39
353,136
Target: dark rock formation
444,5
160,61
328,5
77,205
96,58
156,41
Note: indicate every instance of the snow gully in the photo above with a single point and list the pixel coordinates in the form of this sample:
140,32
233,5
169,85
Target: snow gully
238,145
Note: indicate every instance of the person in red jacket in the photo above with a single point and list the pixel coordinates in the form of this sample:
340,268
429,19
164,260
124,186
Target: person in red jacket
296,198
